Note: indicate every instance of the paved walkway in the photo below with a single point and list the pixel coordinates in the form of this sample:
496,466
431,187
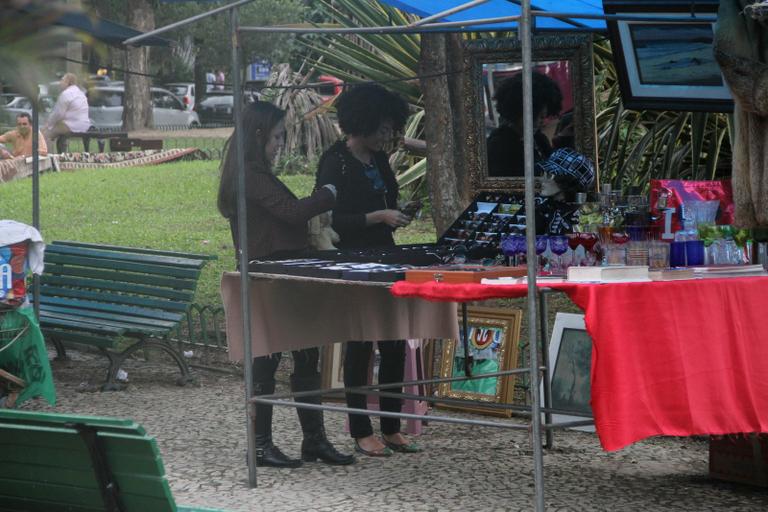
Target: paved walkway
201,435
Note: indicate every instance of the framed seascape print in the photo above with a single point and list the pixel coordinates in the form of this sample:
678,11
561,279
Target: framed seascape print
667,65
493,342
570,361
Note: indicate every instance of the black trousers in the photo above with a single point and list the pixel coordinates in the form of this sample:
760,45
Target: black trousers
391,369
264,368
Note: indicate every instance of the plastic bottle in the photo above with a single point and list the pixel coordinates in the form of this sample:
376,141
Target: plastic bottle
694,248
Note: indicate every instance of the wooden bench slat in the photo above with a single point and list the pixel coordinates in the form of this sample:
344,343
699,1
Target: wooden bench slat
51,317
104,423
115,308
27,503
62,497
46,309
83,326
144,268
87,252
84,283
194,256
113,298
119,276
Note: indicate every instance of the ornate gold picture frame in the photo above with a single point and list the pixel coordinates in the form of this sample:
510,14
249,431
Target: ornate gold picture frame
493,340
571,51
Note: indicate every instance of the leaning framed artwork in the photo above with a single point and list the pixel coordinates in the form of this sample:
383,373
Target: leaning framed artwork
570,361
664,59
493,343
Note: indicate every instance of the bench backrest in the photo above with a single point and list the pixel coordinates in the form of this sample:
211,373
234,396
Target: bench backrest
122,280
79,463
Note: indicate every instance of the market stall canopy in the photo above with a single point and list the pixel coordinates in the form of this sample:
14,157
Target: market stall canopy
100,29
501,8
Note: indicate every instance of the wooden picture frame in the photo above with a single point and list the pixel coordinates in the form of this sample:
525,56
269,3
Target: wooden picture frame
494,336
667,65
570,362
332,370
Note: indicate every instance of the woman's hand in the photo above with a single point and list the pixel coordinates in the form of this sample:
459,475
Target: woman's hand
392,218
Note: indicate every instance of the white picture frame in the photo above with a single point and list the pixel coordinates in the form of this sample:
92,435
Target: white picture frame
570,354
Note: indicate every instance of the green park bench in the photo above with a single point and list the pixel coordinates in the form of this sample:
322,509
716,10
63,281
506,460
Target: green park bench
117,299
80,464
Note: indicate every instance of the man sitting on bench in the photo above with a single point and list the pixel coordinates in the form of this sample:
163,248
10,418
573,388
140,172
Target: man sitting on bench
70,114
21,139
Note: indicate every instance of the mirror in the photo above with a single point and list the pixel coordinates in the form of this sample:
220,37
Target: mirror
494,142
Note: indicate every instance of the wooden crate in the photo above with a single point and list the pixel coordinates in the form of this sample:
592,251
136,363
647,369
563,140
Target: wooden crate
739,458
462,274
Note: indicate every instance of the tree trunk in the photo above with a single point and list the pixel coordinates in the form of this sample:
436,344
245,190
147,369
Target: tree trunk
200,84
137,104
445,165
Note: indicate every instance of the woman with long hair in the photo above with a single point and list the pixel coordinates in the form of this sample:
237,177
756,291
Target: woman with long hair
276,223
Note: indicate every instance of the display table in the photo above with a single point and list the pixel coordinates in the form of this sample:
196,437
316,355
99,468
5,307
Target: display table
291,313
672,358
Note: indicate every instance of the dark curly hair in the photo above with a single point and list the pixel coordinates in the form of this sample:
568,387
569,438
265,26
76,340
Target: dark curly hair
363,108
546,96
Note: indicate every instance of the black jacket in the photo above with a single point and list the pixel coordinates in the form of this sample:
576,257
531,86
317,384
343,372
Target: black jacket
505,151
356,196
276,219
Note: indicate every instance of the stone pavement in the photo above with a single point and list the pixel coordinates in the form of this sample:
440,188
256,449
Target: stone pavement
201,435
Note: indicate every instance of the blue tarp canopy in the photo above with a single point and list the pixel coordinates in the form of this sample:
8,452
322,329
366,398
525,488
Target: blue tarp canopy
500,8
104,30
35,14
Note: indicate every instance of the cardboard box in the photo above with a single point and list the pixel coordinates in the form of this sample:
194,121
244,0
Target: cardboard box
741,458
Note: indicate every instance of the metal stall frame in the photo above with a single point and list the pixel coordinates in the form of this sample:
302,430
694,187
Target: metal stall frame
536,303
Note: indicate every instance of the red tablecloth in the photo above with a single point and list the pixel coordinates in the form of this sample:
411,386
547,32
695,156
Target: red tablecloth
669,358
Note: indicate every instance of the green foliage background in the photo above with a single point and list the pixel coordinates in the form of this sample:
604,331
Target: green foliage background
170,206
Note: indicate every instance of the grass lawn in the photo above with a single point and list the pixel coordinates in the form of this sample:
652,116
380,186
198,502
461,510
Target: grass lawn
169,206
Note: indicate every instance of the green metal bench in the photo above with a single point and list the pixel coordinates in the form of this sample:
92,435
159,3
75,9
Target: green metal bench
80,464
117,299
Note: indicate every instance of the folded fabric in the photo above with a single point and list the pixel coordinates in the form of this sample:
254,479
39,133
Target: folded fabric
13,232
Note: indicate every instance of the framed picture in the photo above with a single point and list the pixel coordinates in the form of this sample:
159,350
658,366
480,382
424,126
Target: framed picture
570,361
667,65
332,370
493,341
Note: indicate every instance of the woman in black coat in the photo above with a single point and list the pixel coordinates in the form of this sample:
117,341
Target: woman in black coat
365,216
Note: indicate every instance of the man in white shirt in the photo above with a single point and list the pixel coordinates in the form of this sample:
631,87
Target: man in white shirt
70,114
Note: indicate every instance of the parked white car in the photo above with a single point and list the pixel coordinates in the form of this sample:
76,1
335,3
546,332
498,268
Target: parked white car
185,91
105,108
19,104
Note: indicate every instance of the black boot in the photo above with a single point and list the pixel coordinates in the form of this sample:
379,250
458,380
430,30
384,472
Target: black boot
315,444
267,454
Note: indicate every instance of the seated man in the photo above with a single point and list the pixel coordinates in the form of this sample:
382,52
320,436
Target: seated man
70,114
21,139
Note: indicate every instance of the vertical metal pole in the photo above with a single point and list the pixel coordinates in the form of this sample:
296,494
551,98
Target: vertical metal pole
36,196
530,232
465,340
242,235
544,330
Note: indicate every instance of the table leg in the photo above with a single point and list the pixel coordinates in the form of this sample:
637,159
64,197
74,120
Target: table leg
544,330
465,340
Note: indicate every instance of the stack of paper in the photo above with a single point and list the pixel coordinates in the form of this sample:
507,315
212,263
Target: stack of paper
729,271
